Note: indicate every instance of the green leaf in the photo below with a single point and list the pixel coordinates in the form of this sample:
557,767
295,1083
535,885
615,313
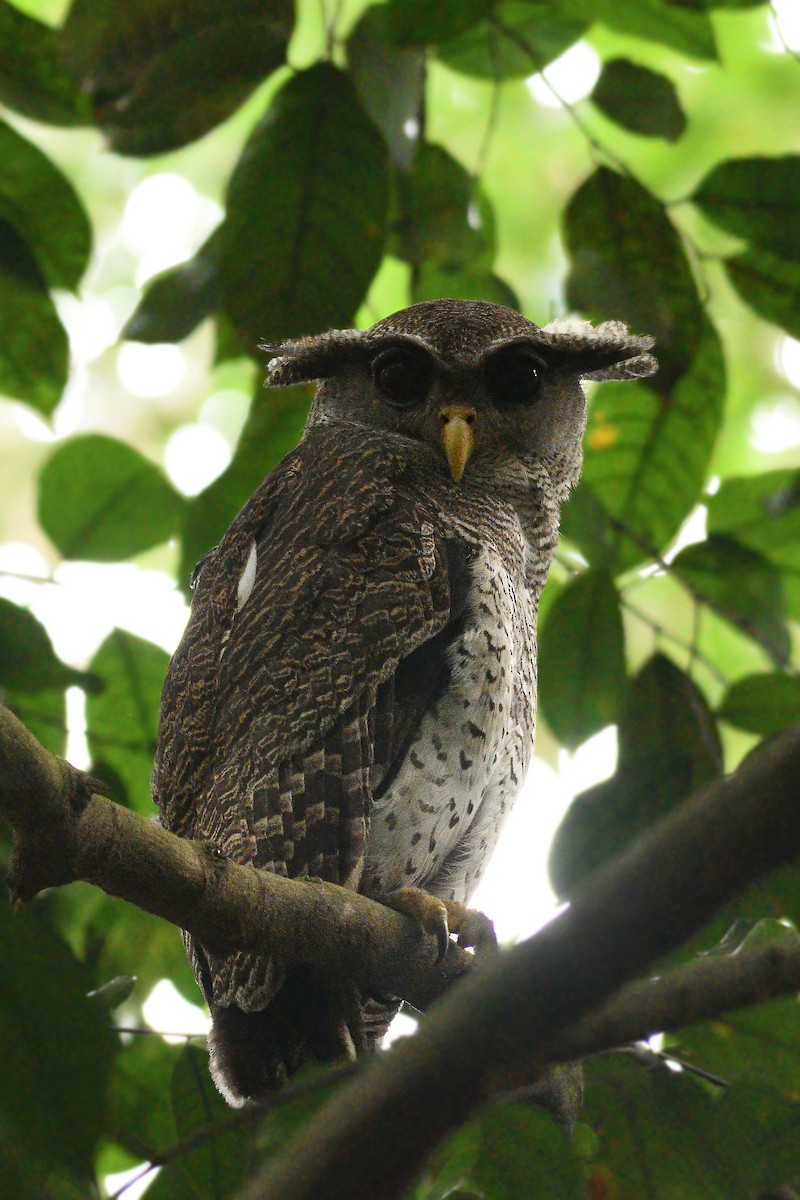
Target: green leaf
639,99
306,217
33,349
177,300
272,429
43,208
518,39
506,1152
741,586
433,281
390,81
141,64
582,658
44,712
420,23
102,500
688,32
770,284
757,199
668,747
56,1052
628,264
762,512
647,457
217,1166
28,662
444,223
33,79
122,719
140,1113
764,704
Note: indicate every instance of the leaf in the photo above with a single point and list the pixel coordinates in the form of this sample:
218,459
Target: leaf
764,704
582,658
140,1113
443,223
627,264
517,40
506,1152
762,512
639,99
177,300
42,206
390,82
217,1166
272,429
741,586
56,1052
668,747
688,32
33,79
122,719
44,712
306,216
433,281
770,284
28,662
102,500
140,64
420,23
33,348
757,199
647,457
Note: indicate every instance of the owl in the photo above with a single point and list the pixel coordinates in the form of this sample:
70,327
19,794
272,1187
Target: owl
354,697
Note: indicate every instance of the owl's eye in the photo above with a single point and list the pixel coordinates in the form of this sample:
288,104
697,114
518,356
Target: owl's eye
404,376
513,375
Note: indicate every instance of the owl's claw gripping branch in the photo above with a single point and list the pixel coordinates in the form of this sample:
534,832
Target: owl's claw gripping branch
443,917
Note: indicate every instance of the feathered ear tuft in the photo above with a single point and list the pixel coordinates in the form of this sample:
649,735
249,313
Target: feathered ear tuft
609,351
316,357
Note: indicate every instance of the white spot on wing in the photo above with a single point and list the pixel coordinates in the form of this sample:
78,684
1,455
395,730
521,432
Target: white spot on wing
247,578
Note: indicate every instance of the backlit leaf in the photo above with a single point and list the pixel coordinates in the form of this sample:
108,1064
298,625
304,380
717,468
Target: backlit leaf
639,99
33,348
770,284
177,300
757,199
765,704
515,41
33,78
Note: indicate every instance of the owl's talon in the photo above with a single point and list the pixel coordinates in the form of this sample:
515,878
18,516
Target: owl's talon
429,911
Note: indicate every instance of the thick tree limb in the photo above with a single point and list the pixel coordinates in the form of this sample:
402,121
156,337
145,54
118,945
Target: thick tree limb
503,1024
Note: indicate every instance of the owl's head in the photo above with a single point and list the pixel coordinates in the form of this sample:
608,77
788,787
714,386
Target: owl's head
478,383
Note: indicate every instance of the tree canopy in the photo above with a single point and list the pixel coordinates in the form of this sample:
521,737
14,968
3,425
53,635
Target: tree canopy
182,182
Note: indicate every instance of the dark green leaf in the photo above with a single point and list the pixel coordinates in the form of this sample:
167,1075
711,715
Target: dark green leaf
420,23
33,348
639,99
216,1167
431,282
582,658
33,80
519,38
272,429
668,1135
764,704
701,4
390,82
646,461
100,499
742,586
628,264
28,662
770,284
306,217
506,1153
44,712
688,32
140,64
56,1053
176,301
140,1113
444,223
122,719
43,208
757,199
762,512
668,747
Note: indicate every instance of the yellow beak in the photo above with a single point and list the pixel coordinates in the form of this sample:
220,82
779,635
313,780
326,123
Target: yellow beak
458,436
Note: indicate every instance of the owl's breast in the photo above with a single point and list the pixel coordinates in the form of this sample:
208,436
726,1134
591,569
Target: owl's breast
437,824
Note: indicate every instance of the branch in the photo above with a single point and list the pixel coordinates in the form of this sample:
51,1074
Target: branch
508,1021
63,832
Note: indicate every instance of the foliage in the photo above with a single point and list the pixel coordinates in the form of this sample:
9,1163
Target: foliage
390,154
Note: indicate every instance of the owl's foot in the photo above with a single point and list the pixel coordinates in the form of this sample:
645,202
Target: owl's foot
443,917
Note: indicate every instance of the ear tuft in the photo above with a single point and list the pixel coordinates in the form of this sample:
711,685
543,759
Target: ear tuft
607,351
316,357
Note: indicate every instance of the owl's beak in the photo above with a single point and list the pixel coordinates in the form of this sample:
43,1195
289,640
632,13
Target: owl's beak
458,436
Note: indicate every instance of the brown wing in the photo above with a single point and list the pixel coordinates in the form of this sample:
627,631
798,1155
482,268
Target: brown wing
284,706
